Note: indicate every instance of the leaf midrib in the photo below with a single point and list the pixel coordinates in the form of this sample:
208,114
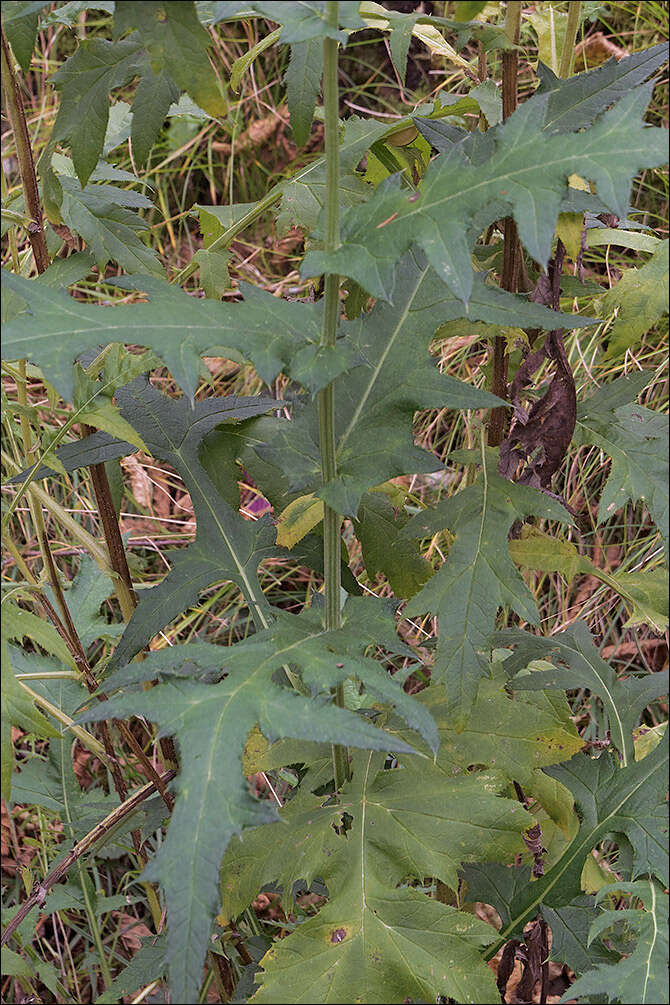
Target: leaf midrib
380,363
566,162
652,911
591,95
622,735
197,476
247,681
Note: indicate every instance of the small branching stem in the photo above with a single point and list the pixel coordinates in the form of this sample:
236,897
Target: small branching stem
123,583
93,838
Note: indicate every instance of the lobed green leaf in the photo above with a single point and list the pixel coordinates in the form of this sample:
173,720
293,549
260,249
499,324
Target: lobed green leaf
517,169
212,723
477,577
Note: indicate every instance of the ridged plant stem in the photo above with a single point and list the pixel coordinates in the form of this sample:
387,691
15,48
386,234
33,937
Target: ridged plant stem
571,29
331,520
24,155
511,246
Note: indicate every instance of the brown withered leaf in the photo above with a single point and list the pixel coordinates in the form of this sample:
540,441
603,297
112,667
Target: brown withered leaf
506,966
132,931
140,483
71,240
539,437
532,839
595,50
533,955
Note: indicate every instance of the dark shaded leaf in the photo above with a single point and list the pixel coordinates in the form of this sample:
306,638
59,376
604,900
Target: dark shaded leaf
21,32
98,448
377,400
226,545
86,593
641,976
612,800
148,964
274,334
85,81
307,20
303,84
570,926
177,45
400,560
155,93
100,214
574,103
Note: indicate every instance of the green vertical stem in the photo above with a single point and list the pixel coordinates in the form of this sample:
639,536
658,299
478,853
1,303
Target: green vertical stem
511,246
329,332
571,29
94,928
331,520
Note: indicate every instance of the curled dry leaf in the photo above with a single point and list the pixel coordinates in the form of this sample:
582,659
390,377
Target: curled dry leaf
140,483
540,436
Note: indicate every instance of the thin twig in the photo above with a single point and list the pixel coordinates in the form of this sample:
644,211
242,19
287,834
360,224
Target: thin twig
70,636
124,589
39,894
92,686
